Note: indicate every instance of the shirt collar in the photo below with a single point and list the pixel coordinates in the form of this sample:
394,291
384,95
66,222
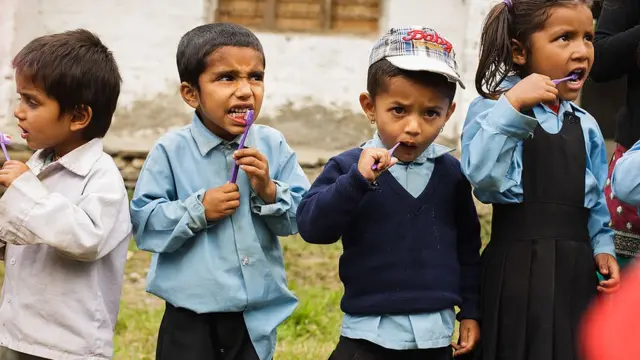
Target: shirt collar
79,161
206,140
431,152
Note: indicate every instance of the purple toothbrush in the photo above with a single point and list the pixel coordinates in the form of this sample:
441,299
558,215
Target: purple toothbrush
570,77
4,141
248,120
375,166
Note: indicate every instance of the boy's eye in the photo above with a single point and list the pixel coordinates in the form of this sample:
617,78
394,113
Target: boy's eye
398,110
30,102
589,37
432,114
564,37
257,77
225,78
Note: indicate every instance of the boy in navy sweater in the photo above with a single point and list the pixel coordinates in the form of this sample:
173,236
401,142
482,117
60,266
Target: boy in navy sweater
410,235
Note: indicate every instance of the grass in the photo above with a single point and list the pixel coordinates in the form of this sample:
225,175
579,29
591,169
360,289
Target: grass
310,333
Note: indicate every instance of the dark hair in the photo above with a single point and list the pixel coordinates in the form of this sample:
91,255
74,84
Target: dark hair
383,70
76,70
197,44
504,23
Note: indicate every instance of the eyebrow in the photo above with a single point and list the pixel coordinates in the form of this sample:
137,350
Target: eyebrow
236,72
430,107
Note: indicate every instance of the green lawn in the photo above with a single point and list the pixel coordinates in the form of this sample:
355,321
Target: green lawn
310,333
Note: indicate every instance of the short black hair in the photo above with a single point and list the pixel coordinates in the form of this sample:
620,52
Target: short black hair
197,44
383,70
76,69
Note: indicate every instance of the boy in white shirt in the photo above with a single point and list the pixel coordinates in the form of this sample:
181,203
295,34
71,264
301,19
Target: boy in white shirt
64,215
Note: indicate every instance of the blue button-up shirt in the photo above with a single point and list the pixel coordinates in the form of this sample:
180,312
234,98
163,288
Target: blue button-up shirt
231,265
492,140
413,331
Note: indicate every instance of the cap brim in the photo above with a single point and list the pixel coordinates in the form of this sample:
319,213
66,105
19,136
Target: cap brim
424,63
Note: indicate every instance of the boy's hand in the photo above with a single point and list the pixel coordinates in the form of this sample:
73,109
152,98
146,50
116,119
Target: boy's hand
532,90
608,267
468,338
256,166
11,170
221,201
371,156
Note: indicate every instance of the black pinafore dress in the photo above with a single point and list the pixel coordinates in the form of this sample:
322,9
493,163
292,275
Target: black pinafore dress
539,273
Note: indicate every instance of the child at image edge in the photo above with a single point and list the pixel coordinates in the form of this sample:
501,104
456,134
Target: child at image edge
217,261
65,213
541,161
409,228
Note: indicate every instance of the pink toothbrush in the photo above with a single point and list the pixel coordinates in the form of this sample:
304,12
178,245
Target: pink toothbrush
249,121
375,166
4,141
570,77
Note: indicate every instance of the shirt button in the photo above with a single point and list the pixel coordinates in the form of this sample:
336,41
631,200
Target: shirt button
13,261
245,261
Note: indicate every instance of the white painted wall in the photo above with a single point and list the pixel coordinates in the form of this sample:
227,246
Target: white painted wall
301,69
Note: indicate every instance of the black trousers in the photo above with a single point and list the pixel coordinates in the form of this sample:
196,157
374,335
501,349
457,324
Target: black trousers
357,349
186,335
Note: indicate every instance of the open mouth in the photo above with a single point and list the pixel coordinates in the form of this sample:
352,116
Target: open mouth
409,144
578,75
24,133
239,113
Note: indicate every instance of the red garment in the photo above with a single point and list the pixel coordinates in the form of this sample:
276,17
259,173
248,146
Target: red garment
624,218
608,328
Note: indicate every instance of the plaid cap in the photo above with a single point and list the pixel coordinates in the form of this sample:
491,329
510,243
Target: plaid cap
417,48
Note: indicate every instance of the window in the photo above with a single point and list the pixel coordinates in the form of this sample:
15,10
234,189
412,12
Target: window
354,16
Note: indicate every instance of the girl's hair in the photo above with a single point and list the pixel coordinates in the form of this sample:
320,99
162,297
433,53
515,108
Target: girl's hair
518,21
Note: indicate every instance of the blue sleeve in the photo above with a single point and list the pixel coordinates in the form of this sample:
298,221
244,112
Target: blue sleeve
291,185
327,208
625,181
469,243
161,221
599,217
492,132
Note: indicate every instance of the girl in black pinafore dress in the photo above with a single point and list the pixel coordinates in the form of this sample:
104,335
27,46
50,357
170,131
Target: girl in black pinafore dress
541,161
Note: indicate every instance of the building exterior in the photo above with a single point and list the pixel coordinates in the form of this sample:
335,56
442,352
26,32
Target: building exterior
316,50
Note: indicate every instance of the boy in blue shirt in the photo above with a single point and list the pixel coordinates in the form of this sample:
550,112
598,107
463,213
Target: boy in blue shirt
410,235
217,262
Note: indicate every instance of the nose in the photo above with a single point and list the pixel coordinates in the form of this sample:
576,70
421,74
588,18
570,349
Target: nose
412,126
18,112
581,50
244,89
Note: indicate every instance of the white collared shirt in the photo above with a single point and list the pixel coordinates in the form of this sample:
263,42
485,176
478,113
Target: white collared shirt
67,229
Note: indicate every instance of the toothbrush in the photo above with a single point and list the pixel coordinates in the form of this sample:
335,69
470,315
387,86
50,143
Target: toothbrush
5,140
570,77
249,121
375,166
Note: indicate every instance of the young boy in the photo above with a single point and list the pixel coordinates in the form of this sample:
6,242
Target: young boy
64,215
411,235
217,262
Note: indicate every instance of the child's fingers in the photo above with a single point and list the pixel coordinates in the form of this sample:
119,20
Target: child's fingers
251,161
252,171
249,152
455,345
231,205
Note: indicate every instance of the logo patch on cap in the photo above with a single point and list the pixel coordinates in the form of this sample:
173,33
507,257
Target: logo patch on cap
420,38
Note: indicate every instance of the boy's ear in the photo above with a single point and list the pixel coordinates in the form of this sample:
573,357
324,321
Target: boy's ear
80,117
452,108
518,53
190,95
368,106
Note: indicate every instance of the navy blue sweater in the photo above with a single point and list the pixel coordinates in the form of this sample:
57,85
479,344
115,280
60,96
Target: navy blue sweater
401,255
